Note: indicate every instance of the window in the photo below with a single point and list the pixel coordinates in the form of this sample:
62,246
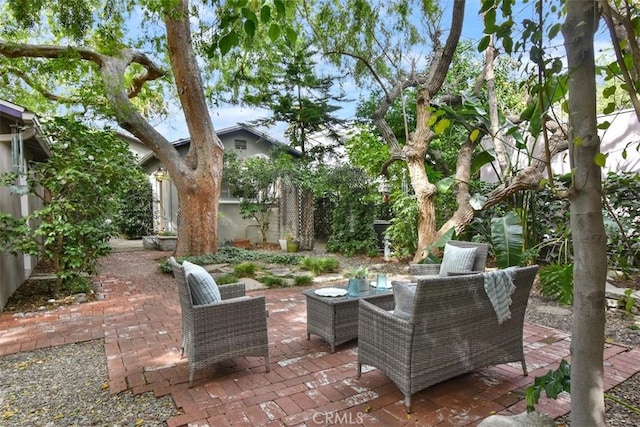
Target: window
226,191
240,144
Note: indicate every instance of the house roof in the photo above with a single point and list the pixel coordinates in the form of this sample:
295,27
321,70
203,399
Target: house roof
226,131
34,141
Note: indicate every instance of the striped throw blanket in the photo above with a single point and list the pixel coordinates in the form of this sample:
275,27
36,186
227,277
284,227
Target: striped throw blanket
499,287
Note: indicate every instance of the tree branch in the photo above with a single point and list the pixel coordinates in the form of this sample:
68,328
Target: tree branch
443,56
366,64
152,71
528,178
39,88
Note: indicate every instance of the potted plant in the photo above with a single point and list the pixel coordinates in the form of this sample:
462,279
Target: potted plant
292,242
361,275
283,241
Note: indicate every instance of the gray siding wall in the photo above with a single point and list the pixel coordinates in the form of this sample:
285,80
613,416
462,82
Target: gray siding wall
14,269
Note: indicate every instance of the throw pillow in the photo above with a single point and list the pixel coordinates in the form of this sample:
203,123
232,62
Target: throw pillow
204,289
457,259
404,294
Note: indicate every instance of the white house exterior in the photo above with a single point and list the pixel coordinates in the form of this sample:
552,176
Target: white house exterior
20,143
623,134
247,142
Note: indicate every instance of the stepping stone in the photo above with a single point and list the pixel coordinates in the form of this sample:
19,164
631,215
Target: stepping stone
252,284
553,310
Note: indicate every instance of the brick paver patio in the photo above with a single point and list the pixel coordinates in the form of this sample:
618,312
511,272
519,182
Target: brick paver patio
139,320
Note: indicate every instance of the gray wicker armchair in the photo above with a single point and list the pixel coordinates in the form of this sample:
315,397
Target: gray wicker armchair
233,327
454,330
482,252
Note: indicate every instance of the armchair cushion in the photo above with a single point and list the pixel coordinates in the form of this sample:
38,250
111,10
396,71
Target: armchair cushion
404,294
457,259
204,289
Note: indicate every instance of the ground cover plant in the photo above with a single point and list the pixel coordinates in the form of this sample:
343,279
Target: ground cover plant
232,255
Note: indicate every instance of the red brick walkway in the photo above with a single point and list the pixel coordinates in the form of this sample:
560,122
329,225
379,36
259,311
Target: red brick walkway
139,320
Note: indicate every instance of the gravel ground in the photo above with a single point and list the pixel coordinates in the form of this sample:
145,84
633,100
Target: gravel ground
620,328
67,385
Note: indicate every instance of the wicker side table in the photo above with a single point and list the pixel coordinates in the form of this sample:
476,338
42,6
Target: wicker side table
335,319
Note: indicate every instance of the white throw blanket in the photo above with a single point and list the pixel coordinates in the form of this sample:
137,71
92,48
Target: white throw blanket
499,287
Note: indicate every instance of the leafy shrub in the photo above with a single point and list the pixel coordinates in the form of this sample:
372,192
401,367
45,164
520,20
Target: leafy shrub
87,170
556,281
76,283
318,265
404,223
226,279
352,227
622,219
302,280
135,218
245,269
553,383
271,281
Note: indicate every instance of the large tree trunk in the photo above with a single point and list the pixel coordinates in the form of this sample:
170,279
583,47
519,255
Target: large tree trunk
199,177
415,152
587,227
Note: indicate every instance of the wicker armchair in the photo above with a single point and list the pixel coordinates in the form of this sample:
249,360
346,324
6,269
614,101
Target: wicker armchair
479,264
454,330
234,327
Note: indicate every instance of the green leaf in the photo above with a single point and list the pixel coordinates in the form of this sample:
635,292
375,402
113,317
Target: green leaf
265,14
250,27
274,32
609,91
490,21
442,126
604,125
292,35
445,184
477,201
484,43
249,14
473,136
280,9
486,5
507,43
600,159
554,30
610,108
227,42
506,236
536,55
485,157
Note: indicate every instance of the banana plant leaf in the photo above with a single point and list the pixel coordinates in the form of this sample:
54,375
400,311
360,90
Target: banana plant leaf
507,241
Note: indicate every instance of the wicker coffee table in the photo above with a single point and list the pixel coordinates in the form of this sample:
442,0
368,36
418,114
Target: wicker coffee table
335,319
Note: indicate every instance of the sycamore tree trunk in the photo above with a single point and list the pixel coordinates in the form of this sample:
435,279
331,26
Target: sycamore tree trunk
199,177
587,227
415,151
